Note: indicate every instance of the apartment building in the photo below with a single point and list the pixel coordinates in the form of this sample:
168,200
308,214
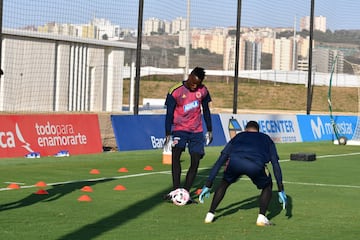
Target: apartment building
319,23
153,25
211,39
324,60
283,55
97,28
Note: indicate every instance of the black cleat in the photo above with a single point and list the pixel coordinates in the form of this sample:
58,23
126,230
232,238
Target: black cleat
167,197
191,201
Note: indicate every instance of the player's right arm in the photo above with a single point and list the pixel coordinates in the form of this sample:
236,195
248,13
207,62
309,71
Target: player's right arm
170,103
274,159
170,109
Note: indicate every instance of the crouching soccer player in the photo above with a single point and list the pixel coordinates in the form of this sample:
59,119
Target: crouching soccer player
247,154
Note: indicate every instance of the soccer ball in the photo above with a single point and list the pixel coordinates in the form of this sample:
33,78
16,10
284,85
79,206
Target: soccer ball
180,196
342,140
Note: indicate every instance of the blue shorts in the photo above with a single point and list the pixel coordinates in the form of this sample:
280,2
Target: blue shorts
194,141
259,175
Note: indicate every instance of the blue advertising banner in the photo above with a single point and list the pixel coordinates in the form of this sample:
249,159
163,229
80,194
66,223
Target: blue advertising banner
144,132
320,128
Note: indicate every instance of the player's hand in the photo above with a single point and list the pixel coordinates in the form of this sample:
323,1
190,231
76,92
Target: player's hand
168,143
167,139
205,192
208,137
282,198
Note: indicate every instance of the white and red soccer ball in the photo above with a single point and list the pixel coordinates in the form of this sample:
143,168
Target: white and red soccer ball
180,196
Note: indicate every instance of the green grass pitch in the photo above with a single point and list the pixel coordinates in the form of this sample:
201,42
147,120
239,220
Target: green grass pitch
323,198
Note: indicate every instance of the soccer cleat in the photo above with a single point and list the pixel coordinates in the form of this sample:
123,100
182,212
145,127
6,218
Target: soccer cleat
262,221
169,196
209,217
62,153
33,155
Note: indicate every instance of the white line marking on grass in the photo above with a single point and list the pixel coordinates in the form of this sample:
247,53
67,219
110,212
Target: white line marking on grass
327,156
92,180
323,185
340,155
302,183
19,183
169,172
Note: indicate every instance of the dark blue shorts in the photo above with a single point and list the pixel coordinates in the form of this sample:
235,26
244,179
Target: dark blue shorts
194,141
259,175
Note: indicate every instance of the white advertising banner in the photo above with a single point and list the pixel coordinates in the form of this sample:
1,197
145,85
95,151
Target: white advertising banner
282,128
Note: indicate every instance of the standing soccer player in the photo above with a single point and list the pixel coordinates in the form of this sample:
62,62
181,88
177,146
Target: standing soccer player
247,154
185,103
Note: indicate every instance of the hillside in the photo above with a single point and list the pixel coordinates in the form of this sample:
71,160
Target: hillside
259,95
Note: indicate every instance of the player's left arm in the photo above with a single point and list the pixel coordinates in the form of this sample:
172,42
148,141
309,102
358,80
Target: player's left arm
206,111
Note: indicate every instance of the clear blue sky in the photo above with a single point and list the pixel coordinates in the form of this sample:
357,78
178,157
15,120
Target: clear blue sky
340,14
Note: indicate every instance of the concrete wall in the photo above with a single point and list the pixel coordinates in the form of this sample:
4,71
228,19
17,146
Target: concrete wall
49,73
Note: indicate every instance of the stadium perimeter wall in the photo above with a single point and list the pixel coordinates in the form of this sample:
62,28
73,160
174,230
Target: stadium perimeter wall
50,133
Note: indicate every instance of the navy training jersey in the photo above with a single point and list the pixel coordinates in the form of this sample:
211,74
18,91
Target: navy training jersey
253,146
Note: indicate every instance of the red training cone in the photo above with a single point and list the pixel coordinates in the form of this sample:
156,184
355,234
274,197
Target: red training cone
148,168
87,189
95,171
120,188
41,184
123,169
13,186
41,192
84,198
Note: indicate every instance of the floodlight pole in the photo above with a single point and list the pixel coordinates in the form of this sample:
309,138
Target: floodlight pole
1,15
237,49
138,57
187,41
309,85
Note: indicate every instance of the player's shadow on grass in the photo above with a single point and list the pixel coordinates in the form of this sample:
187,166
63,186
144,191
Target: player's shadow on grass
57,191
274,208
95,229
122,216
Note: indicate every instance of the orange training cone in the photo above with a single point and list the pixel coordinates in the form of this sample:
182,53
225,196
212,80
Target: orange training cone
148,168
86,189
123,169
95,171
41,192
13,186
120,188
41,184
84,198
